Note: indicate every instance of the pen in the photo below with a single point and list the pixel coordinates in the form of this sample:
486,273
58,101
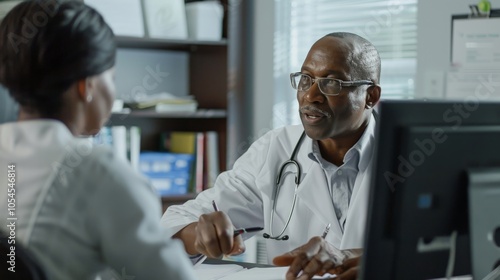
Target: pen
327,229
215,206
241,230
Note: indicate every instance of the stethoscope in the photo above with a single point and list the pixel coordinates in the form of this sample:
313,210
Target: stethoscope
280,236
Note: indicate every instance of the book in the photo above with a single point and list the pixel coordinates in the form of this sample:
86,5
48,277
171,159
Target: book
125,142
200,170
119,136
205,148
186,106
182,142
134,146
169,173
212,152
164,102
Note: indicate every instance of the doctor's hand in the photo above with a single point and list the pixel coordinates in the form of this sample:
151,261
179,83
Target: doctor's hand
211,236
318,257
348,270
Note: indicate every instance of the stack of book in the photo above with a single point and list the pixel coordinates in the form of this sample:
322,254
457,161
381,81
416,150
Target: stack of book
126,142
164,102
170,173
204,147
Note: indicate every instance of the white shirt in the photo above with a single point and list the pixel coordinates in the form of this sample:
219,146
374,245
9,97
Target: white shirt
245,194
80,210
341,179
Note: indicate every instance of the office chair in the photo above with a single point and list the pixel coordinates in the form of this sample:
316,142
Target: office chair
26,265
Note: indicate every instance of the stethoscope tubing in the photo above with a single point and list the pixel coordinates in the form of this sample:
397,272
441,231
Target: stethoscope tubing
280,236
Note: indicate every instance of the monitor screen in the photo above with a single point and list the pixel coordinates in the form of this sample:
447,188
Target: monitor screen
425,154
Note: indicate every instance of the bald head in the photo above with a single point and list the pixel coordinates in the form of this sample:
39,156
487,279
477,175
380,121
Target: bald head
364,59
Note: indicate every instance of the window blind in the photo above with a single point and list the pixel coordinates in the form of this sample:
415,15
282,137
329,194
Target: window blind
390,25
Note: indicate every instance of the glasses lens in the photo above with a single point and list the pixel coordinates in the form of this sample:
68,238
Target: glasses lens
329,86
303,82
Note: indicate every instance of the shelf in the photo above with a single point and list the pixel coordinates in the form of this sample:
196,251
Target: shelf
168,44
178,198
175,200
199,114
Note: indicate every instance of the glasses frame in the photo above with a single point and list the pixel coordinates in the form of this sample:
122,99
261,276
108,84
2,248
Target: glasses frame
341,83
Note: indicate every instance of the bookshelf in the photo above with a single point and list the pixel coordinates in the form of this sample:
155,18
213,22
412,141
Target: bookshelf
152,124
175,200
208,83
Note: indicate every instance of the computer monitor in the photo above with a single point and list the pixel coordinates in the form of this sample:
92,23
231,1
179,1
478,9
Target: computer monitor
426,151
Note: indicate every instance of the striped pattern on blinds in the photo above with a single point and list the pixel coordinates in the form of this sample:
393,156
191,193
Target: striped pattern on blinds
390,25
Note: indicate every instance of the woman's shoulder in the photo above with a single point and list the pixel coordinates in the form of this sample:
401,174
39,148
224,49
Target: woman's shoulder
99,160
102,169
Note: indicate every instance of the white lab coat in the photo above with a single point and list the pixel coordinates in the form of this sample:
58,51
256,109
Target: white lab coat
245,194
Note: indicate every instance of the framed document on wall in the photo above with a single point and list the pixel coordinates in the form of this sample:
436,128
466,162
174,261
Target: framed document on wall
475,58
475,42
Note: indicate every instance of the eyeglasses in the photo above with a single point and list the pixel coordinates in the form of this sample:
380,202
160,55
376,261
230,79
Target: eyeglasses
327,86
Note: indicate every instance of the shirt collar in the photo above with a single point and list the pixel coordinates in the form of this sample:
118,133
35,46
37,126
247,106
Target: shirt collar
33,134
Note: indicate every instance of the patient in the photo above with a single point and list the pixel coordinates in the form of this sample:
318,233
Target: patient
80,210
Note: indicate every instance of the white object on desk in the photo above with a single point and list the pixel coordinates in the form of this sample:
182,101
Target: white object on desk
265,273
215,272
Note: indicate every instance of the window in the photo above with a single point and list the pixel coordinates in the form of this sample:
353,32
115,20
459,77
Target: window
390,25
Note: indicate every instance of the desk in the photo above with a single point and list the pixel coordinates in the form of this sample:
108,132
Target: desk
242,271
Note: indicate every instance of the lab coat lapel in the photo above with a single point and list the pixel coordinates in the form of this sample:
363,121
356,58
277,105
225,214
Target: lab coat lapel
356,217
313,192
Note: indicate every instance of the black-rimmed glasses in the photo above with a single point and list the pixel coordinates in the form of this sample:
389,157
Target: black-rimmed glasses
327,86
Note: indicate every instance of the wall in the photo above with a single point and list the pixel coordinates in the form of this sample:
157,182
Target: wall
434,41
263,79
250,98
146,72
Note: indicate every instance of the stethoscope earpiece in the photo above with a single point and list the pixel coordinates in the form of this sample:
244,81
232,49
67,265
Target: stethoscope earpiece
266,236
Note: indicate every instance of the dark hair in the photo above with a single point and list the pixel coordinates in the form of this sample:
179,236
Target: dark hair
48,45
365,60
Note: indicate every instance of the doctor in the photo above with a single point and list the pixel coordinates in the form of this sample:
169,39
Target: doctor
326,179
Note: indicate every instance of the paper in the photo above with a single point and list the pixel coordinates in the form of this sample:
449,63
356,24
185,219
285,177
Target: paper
215,272
266,273
473,87
476,44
